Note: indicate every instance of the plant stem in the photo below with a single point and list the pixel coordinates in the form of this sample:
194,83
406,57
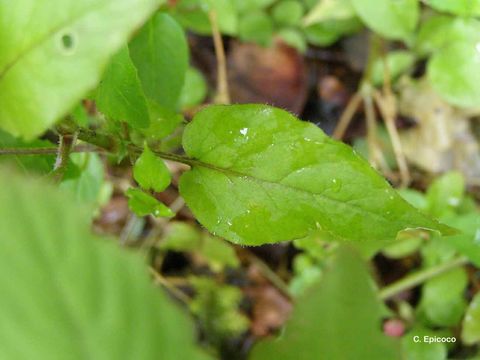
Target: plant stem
173,290
65,146
45,150
419,277
223,96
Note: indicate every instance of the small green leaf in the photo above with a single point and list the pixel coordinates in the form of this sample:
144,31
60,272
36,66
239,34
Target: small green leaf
194,90
262,176
67,294
248,6
256,27
442,301
445,194
392,19
120,95
330,10
453,72
287,12
294,38
181,236
216,307
420,350
328,32
457,7
143,204
334,319
87,186
49,63
160,54
150,172
163,122
398,63
471,322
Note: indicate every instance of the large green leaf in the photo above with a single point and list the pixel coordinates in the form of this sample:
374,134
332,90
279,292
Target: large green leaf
120,95
68,295
261,176
160,53
53,51
339,318
393,19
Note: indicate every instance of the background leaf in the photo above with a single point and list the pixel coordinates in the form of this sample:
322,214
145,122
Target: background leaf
69,295
160,54
71,44
120,95
335,319
393,19
264,176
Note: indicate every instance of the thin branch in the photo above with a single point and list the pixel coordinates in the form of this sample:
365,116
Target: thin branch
223,96
387,107
46,150
420,277
347,116
173,290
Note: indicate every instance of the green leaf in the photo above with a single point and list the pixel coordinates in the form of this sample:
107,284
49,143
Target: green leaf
256,27
144,204
442,301
454,74
248,6
467,243
260,175
181,236
328,32
160,54
120,95
441,31
398,61
330,10
163,122
287,12
48,64
334,319
150,172
194,90
87,186
392,19
457,7
420,350
445,194
64,290
294,38
216,307
471,322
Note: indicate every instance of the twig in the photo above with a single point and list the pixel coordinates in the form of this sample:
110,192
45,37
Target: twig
419,277
270,275
46,150
175,292
347,116
387,107
223,96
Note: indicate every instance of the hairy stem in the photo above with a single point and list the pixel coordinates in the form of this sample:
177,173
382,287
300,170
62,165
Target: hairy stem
65,146
46,150
420,277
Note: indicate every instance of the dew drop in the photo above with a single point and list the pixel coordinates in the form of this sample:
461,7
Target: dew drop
453,201
244,131
336,185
